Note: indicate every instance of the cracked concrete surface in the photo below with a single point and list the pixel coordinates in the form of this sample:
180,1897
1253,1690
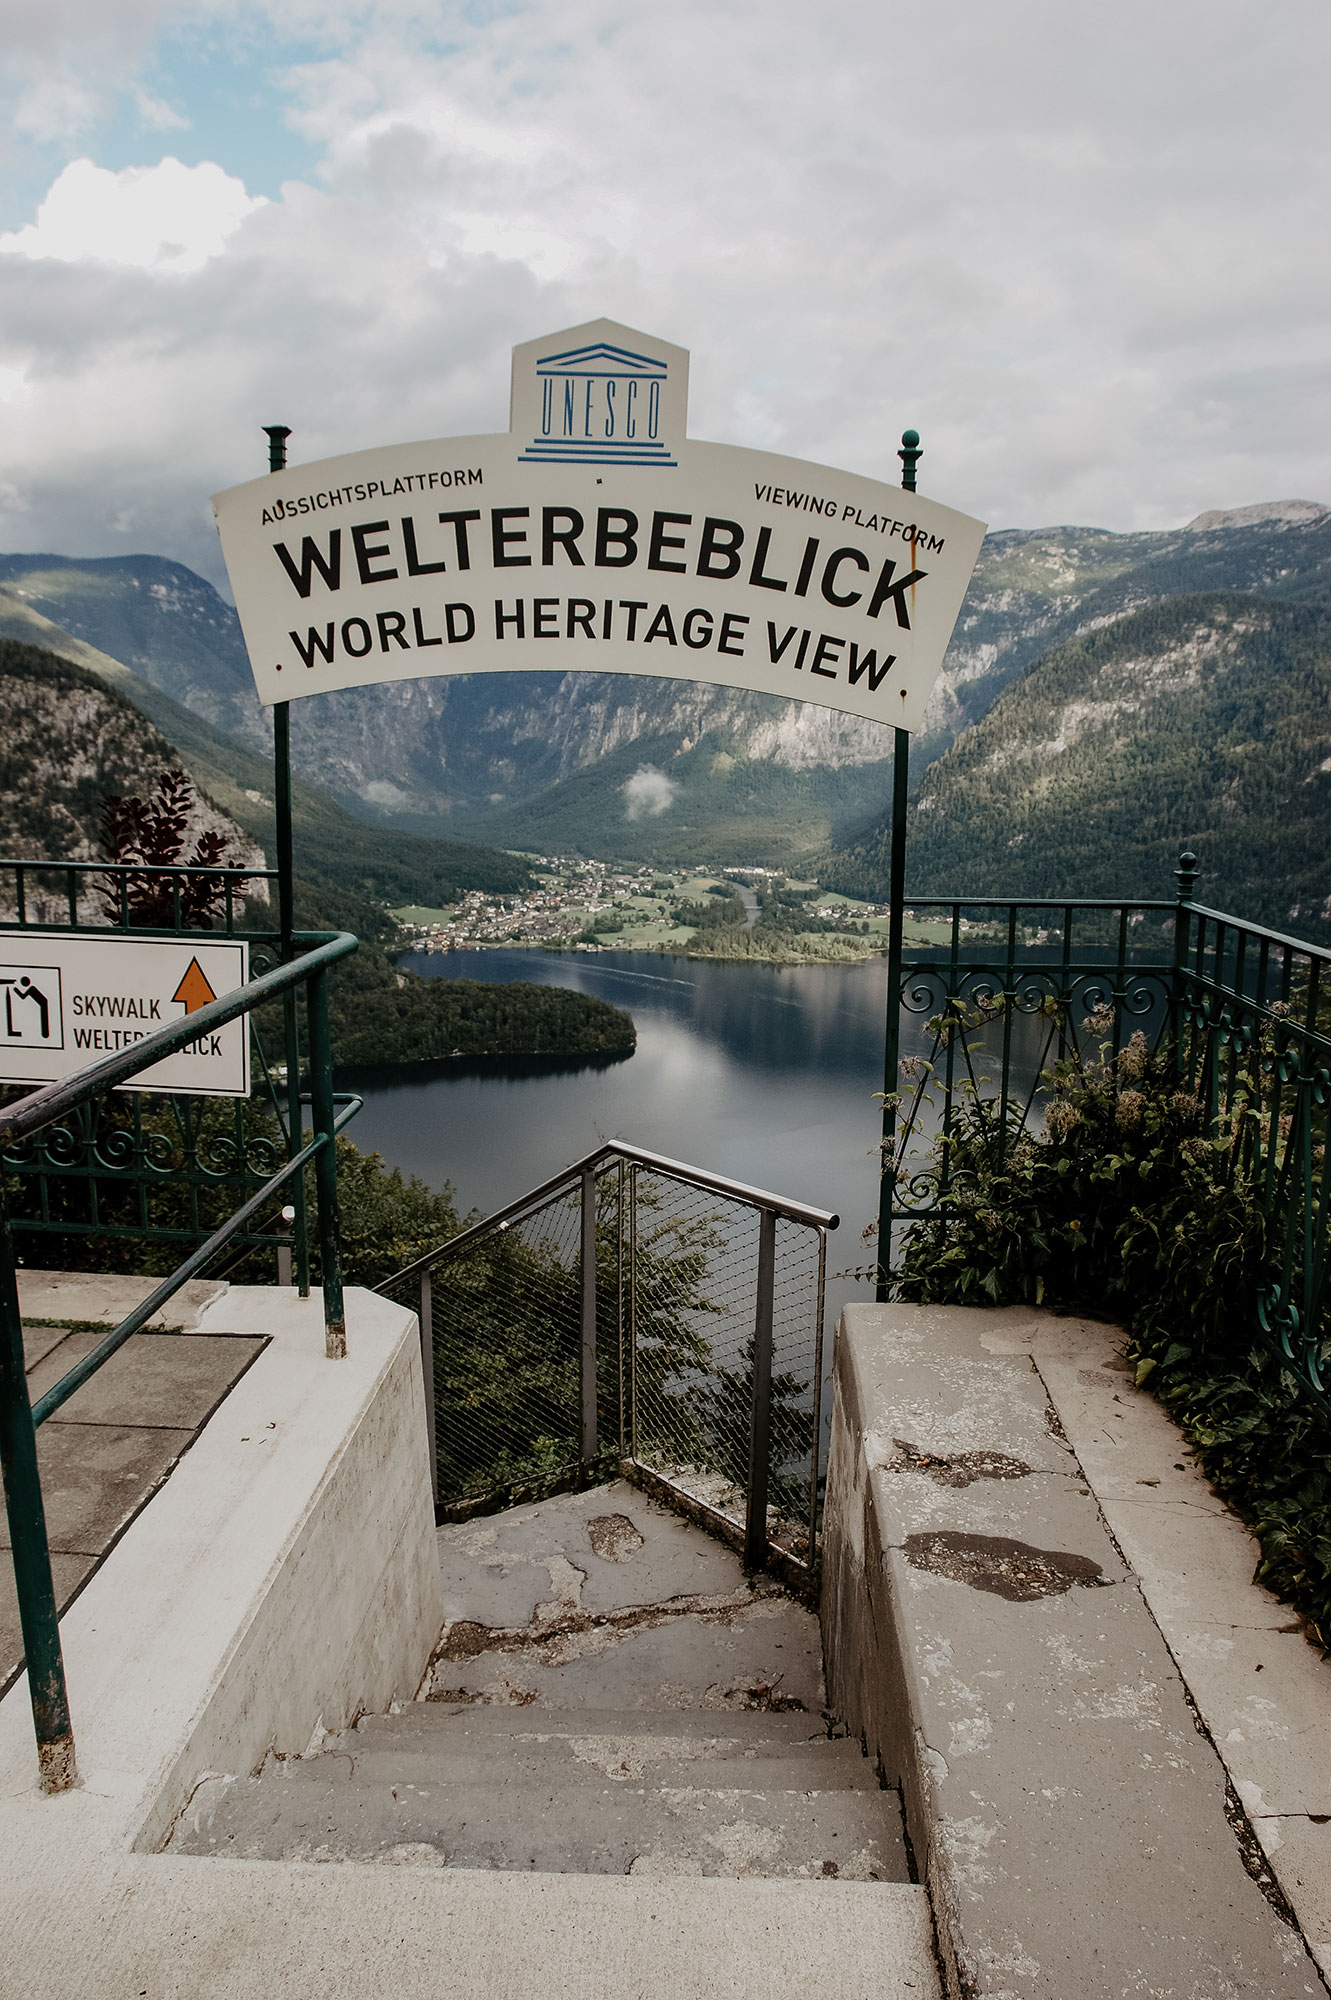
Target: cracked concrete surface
1194,1560
610,1695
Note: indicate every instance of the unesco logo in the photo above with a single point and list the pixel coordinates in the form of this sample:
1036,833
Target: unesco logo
599,405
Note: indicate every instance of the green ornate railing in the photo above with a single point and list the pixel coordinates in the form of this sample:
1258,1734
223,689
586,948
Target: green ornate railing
155,1167
59,1106
1014,987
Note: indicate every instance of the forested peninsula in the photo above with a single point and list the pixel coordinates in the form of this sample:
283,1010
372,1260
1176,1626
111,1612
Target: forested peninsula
381,1013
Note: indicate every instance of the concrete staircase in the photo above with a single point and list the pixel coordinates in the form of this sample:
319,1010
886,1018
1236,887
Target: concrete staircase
624,1725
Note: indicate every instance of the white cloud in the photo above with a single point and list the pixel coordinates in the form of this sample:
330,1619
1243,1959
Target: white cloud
648,793
157,114
167,218
1083,252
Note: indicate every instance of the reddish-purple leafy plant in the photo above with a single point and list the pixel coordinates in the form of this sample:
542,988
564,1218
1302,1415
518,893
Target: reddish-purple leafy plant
152,834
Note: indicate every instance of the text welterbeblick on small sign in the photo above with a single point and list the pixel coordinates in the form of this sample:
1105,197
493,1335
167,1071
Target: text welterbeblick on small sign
67,1001
597,535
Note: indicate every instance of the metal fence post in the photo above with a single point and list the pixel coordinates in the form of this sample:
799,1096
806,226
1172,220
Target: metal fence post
277,435
587,1363
286,1219
1185,875
910,455
325,1166
760,1422
27,1538
427,1373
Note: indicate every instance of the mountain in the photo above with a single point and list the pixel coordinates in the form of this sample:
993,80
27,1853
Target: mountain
1035,587
671,771
331,845
67,741
164,623
1201,721
68,738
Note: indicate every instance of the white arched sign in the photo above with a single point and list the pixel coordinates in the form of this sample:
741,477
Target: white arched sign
597,535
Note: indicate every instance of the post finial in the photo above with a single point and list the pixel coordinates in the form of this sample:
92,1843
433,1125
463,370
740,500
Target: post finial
277,445
1186,876
910,455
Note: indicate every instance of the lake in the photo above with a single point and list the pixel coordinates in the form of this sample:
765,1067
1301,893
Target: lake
765,1073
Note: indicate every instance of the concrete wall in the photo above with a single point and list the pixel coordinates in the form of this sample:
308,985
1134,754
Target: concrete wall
345,1614
284,1578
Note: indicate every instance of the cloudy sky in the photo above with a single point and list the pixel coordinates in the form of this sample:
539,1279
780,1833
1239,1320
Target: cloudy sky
1083,249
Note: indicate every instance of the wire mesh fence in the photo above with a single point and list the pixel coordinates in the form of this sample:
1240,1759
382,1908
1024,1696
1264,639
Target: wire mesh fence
669,1323
693,1325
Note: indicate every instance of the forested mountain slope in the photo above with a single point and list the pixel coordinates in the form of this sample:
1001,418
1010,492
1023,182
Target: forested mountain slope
1202,721
331,844
67,740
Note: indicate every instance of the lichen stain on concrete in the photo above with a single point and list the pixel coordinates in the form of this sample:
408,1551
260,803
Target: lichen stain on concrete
414,1854
966,1843
614,1538
961,1469
1015,1570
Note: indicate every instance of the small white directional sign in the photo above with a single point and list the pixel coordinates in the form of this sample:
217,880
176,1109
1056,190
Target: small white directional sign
66,1002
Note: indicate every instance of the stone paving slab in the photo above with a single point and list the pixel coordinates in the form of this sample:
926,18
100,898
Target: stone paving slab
68,1573
38,1341
73,1297
95,1477
107,1449
748,1655
605,1599
496,1569
174,1380
1263,1694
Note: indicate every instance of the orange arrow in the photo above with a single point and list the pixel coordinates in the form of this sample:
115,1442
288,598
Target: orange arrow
194,989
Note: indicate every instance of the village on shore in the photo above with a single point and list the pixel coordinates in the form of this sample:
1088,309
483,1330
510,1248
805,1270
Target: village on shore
582,905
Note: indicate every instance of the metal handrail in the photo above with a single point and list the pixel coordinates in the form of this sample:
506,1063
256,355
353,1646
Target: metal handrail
29,1544
1233,923
931,901
777,1204
1225,982
580,1177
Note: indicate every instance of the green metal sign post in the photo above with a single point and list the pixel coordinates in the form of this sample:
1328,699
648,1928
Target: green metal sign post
277,435
910,455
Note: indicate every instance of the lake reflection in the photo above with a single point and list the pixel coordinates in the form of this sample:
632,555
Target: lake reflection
765,1073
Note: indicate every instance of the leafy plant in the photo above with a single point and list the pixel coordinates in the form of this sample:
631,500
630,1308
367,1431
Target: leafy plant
154,832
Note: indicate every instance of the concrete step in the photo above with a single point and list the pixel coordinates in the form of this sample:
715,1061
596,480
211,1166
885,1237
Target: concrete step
751,1728
320,1809
584,1759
